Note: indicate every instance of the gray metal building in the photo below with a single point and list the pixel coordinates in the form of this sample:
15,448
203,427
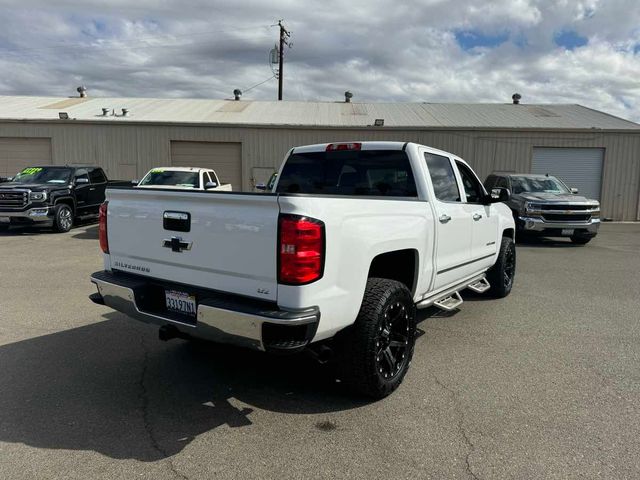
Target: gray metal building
245,141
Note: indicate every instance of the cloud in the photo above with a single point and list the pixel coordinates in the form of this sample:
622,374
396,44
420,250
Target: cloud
431,50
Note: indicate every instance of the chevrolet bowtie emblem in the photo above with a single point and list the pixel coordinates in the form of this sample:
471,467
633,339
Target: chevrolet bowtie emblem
176,244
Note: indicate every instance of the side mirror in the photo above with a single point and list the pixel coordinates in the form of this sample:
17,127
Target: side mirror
261,186
210,185
135,182
82,181
9,179
574,190
500,194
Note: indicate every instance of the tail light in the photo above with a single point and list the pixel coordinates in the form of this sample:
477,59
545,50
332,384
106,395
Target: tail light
102,227
300,249
332,147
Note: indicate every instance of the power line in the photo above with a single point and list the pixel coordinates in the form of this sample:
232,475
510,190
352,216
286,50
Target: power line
245,90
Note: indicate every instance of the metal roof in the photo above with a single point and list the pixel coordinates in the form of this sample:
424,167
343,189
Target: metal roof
311,114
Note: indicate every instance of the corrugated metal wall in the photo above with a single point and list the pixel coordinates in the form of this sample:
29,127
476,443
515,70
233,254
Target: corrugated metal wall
130,150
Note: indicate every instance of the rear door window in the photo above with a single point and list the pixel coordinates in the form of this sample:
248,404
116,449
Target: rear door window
96,175
445,185
352,172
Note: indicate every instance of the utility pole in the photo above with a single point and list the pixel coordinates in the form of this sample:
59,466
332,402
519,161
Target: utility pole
284,35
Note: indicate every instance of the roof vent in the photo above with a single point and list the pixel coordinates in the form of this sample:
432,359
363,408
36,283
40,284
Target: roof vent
237,93
125,112
516,98
348,96
82,90
105,112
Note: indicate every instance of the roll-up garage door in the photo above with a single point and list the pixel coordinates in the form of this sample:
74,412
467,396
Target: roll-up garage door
19,153
224,158
577,167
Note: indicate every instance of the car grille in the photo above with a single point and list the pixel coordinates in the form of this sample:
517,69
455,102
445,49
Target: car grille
13,198
555,206
564,217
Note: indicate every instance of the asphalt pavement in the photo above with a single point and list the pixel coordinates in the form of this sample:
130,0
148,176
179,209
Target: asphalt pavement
543,384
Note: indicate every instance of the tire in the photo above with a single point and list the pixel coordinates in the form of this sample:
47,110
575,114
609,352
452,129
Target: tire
62,218
503,272
374,354
580,239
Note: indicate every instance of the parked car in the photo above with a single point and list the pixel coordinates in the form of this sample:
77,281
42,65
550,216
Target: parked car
52,195
183,178
354,238
544,205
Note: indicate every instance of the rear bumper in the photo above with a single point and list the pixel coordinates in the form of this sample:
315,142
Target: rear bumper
222,318
531,224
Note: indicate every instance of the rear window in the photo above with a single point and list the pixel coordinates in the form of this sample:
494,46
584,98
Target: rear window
359,172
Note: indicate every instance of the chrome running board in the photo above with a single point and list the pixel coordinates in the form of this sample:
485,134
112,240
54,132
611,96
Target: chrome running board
480,286
450,302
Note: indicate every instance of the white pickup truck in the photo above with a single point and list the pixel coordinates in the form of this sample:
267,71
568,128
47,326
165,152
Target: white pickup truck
336,259
183,178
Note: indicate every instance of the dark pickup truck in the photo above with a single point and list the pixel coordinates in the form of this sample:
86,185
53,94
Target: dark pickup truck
544,205
52,195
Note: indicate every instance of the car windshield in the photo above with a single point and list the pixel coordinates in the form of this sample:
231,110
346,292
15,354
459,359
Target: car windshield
173,178
43,175
522,184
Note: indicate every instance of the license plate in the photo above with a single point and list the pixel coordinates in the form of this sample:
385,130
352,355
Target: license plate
567,232
180,302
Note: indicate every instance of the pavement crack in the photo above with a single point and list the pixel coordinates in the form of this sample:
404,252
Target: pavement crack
146,421
460,425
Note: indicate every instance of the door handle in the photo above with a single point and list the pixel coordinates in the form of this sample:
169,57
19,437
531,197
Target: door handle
477,216
444,218
92,189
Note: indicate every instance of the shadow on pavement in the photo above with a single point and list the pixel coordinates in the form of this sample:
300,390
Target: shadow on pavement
113,388
23,231
90,233
545,242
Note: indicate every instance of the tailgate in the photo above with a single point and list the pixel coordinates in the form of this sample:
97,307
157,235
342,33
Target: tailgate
230,245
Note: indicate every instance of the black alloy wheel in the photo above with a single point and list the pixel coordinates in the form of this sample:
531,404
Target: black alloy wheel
503,273
509,270
392,342
374,354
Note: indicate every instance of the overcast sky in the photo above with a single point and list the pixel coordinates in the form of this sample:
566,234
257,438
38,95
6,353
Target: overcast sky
585,52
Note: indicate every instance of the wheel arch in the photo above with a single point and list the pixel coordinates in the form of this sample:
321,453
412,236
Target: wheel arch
67,201
400,265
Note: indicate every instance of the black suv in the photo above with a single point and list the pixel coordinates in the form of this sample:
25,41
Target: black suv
52,195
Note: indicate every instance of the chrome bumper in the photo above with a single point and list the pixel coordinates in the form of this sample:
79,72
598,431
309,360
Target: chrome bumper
35,214
537,224
236,323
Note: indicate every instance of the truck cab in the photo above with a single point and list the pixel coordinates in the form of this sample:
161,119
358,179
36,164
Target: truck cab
183,178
